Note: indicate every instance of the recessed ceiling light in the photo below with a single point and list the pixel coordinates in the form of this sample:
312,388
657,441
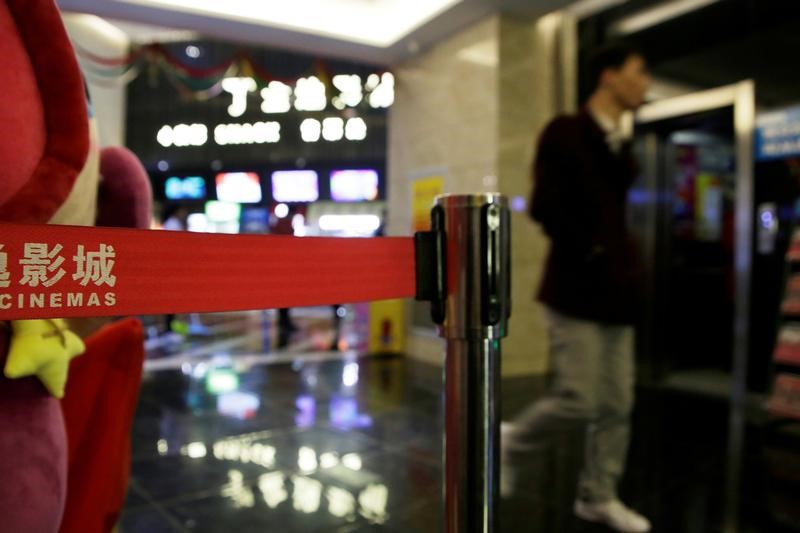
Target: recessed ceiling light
379,24
586,8
657,14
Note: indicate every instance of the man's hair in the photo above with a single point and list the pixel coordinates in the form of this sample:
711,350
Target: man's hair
613,56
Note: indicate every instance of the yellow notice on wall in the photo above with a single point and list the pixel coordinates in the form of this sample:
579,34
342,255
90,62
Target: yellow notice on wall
423,193
387,326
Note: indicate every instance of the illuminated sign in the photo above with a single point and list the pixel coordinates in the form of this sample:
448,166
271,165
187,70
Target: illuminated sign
349,86
295,186
281,117
256,133
310,130
218,211
188,188
238,88
355,129
331,129
238,187
182,135
381,90
310,93
354,185
777,134
276,98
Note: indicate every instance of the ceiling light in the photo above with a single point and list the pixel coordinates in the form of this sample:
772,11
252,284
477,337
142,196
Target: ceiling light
657,14
379,24
586,8
146,33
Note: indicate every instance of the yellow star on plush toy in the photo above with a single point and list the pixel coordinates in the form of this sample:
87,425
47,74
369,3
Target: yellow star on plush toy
42,348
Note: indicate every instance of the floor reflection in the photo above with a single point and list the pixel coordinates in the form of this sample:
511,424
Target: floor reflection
234,435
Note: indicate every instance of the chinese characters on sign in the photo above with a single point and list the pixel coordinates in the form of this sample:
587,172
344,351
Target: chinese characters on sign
39,265
95,266
44,265
350,89
238,89
276,98
308,95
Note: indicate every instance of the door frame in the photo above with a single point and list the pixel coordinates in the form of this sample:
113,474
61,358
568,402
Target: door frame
740,96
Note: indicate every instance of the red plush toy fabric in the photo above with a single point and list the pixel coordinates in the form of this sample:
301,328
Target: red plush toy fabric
49,174
43,148
44,116
99,405
103,386
125,199
32,455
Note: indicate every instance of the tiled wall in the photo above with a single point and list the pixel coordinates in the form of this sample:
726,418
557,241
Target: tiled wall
470,109
528,95
444,119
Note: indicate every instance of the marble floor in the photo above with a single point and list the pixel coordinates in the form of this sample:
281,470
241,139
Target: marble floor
233,435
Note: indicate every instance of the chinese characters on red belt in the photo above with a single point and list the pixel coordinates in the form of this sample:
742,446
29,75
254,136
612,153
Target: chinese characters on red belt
48,265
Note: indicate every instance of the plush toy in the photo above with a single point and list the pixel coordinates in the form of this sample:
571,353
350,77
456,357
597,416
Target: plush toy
98,406
42,348
103,387
50,174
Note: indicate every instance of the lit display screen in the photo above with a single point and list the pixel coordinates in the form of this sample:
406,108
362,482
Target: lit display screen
188,188
239,187
354,185
295,186
223,211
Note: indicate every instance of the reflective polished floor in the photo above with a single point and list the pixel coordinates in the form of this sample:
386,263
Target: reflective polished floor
233,435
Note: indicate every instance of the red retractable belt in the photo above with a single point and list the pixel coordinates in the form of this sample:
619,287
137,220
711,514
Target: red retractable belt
49,271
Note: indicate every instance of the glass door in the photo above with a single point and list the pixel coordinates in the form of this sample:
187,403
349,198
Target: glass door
691,210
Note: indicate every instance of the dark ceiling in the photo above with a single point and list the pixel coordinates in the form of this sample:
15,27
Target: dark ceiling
720,44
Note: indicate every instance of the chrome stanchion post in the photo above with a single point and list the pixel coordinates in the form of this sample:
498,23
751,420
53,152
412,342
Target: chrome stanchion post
464,270
476,265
